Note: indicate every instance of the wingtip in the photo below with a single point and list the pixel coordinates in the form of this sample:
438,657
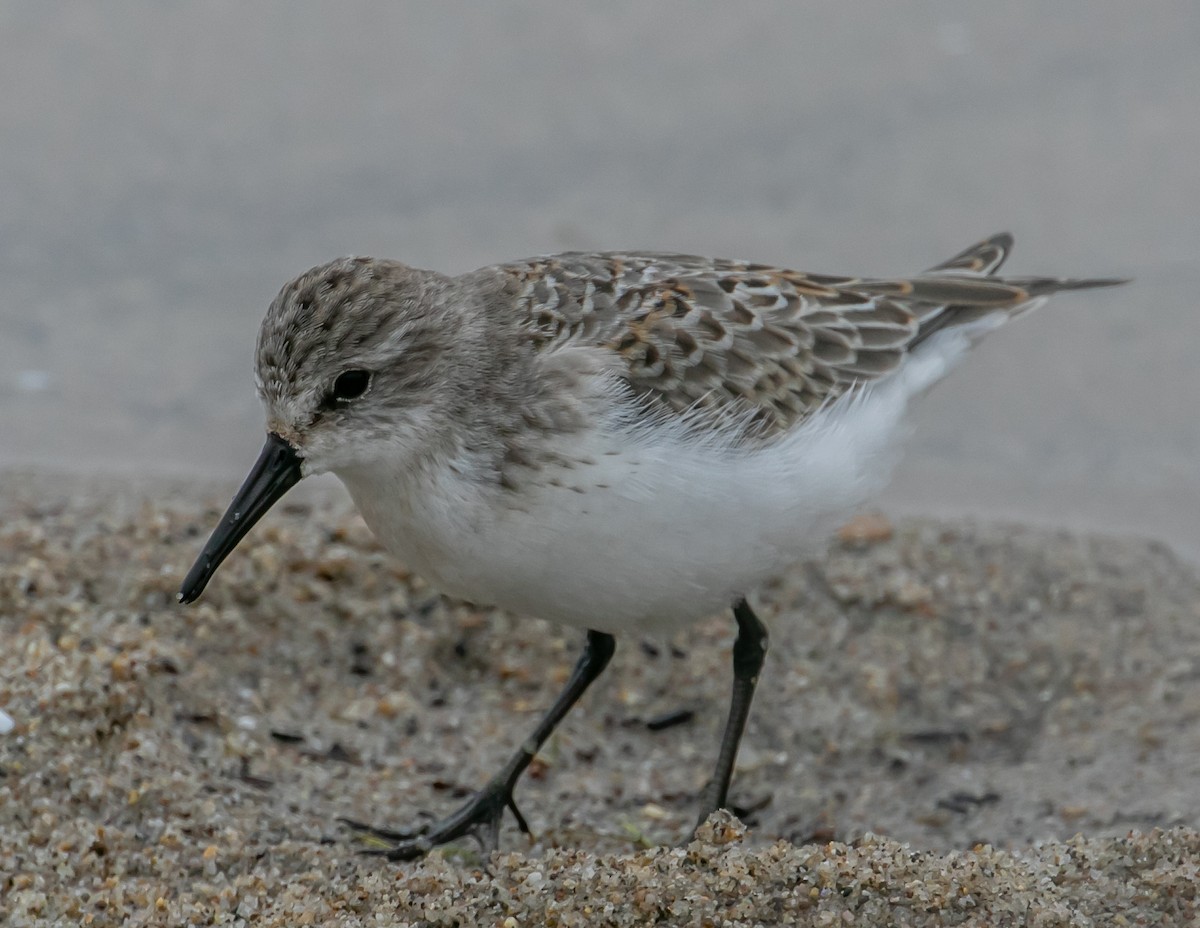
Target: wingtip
1041,286
1095,282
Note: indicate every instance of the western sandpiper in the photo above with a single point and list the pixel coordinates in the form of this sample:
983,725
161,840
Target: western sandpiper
619,442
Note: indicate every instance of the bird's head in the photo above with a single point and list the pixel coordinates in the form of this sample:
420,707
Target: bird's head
357,361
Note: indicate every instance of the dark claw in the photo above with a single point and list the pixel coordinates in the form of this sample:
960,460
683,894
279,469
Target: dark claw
408,850
521,823
384,834
478,819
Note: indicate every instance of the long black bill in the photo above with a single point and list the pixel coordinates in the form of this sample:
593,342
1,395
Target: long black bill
275,472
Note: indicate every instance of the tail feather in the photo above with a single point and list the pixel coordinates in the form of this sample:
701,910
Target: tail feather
961,292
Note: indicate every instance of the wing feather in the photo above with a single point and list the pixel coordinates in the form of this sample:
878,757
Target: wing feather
727,340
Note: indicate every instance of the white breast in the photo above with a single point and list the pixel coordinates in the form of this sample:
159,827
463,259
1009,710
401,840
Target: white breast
657,528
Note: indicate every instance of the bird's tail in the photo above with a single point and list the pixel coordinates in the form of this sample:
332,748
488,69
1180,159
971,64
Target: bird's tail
963,291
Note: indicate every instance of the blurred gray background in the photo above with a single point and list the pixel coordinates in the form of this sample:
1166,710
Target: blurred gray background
165,167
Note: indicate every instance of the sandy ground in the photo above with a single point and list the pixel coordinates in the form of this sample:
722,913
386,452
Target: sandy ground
945,706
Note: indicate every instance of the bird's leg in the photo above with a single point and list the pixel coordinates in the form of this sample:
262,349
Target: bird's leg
481,815
748,653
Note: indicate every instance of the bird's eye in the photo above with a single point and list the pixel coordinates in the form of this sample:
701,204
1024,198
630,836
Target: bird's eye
350,385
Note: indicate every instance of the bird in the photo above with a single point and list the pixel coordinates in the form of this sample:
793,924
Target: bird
622,442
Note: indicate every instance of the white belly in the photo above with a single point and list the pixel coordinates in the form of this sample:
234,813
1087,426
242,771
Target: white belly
649,536
656,529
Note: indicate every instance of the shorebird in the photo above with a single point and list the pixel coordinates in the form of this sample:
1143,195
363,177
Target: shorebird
623,442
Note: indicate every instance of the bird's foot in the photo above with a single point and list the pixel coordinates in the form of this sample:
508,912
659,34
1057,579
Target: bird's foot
479,817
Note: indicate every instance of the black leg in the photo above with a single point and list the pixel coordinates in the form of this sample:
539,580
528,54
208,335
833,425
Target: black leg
748,653
482,813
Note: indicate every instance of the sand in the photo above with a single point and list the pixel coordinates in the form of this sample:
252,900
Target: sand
958,723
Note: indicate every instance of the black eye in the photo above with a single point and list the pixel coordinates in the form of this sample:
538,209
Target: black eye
350,385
